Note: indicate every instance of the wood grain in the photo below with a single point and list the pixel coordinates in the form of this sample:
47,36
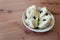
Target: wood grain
11,26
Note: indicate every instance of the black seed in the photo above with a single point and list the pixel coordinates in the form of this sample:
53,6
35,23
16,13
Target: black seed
34,17
36,28
38,19
44,19
46,13
26,17
41,11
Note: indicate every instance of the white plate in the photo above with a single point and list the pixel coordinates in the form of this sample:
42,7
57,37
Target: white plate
40,30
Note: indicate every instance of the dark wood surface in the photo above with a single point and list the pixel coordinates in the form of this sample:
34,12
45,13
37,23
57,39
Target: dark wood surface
11,26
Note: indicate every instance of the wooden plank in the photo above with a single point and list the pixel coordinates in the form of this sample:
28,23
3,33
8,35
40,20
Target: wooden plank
47,36
10,16
11,26
15,5
11,31
15,31
8,30
57,23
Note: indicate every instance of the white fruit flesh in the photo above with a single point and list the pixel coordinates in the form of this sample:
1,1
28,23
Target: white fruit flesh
44,11
44,24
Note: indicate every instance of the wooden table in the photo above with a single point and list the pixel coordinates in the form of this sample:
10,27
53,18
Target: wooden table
11,26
